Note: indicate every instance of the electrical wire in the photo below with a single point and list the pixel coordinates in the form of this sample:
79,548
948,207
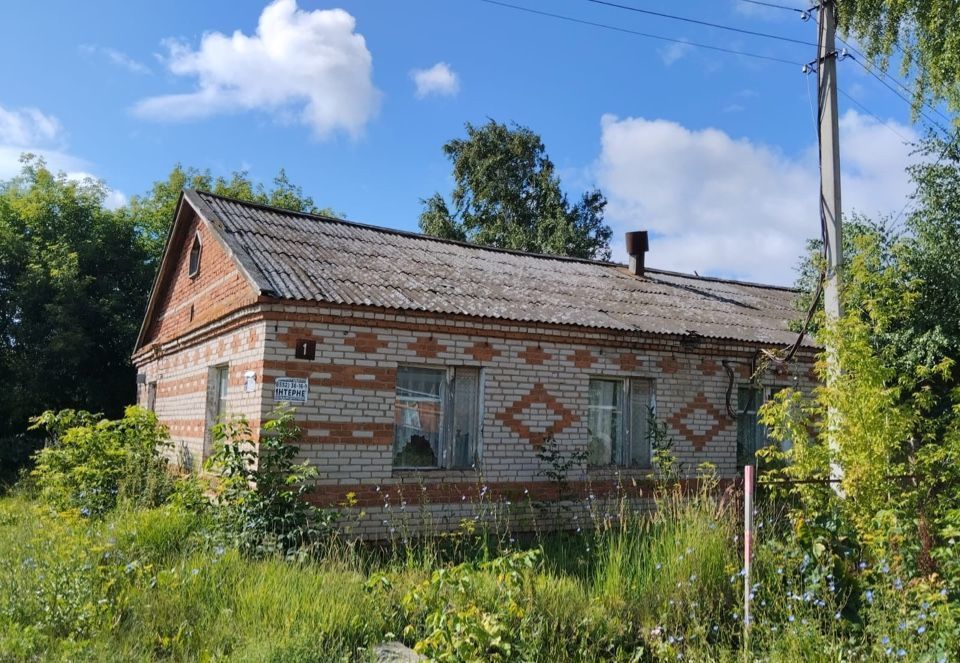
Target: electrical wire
861,59
695,21
870,71
606,26
873,115
775,6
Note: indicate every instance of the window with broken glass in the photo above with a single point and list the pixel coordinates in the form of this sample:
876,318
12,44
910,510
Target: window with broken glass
437,417
618,419
751,433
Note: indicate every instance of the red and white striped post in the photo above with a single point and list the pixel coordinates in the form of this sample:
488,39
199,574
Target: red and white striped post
748,480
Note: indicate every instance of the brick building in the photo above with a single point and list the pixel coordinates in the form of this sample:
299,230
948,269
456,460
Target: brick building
413,360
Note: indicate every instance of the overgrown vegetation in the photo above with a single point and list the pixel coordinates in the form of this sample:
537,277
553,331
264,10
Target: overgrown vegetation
94,567
74,280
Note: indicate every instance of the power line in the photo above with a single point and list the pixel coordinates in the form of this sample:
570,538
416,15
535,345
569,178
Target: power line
775,6
886,74
873,115
870,71
606,26
695,21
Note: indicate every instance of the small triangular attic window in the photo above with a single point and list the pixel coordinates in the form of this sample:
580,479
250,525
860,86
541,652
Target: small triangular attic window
194,267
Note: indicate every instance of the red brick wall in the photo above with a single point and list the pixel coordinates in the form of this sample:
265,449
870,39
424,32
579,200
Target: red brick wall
187,303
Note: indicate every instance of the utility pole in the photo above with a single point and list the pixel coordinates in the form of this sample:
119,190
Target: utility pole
829,134
829,157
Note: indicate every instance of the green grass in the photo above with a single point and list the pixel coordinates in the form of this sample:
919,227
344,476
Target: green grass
152,585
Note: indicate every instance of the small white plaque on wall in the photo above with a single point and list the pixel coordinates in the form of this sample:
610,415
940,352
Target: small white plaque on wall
291,390
250,381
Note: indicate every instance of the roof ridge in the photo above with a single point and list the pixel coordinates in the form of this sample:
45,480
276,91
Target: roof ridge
483,247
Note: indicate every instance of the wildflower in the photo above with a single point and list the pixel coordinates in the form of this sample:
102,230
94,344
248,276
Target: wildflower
901,653
219,550
195,571
836,615
897,584
862,566
885,640
921,629
790,619
869,595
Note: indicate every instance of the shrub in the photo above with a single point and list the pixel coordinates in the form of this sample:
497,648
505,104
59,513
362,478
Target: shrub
91,464
261,505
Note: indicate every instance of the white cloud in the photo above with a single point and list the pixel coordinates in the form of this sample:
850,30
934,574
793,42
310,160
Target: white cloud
308,64
28,126
30,131
733,207
439,79
116,57
673,52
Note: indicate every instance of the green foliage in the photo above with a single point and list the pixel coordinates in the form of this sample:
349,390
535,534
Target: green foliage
474,612
73,277
92,464
508,195
261,494
678,560
889,417
558,463
927,34
152,213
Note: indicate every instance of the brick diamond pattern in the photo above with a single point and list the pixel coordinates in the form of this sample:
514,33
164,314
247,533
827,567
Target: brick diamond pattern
514,419
699,421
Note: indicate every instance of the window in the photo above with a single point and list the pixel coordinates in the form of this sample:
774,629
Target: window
751,434
152,396
223,375
194,267
217,387
437,417
618,422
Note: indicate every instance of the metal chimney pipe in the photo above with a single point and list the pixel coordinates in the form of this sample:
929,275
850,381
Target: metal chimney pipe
638,243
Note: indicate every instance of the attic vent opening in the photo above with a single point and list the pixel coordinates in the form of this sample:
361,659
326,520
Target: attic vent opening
194,267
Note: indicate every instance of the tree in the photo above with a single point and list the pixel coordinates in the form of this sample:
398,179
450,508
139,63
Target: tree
71,274
508,195
74,282
152,213
927,32
895,407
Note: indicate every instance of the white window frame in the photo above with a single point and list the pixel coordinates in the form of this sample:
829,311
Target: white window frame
447,455
627,434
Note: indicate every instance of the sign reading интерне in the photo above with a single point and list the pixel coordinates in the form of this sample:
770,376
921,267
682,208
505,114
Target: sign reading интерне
291,390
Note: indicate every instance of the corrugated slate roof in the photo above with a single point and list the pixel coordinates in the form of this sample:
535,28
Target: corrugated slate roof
306,257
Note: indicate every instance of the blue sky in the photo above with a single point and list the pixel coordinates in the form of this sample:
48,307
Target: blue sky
714,153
